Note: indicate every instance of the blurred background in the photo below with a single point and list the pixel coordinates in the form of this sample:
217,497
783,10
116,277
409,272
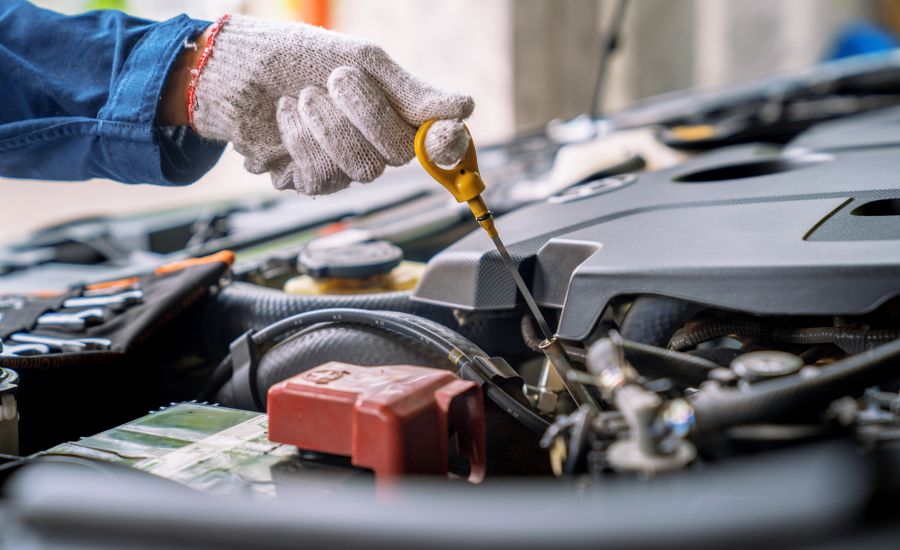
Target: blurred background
526,62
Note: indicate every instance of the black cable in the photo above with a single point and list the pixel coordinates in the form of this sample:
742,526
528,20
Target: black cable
654,319
851,340
459,352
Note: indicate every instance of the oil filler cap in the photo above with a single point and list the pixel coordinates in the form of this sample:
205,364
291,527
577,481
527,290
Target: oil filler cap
352,261
759,365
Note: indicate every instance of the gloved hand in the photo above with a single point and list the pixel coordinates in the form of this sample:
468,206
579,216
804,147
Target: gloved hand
318,109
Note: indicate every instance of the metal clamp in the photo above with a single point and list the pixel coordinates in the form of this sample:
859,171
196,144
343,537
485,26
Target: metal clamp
244,362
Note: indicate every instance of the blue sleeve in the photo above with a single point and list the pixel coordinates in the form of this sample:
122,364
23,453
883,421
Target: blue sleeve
79,94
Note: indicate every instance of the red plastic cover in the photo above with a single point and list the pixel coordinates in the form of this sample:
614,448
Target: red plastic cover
394,420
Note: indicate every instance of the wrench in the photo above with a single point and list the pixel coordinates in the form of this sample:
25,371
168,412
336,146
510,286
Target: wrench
24,350
121,300
76,320
63,344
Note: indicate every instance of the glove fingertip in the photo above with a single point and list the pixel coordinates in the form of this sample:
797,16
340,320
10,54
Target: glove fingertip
443,105
464,105
343,76
282,175
446,142
333,184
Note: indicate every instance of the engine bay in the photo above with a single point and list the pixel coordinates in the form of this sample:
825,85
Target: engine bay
727,300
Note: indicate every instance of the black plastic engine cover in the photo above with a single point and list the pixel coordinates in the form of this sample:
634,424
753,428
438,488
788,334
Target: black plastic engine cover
813,228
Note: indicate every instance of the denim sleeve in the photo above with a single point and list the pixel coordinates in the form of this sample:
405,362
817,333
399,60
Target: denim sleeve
79,94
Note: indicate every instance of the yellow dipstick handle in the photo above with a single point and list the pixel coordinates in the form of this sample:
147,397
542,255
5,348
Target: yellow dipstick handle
463,180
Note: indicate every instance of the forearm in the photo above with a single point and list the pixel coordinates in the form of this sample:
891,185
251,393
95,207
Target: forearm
173,109
84,104
108,97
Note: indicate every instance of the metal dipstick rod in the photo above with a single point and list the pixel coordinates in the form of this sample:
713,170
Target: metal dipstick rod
520,283
464,182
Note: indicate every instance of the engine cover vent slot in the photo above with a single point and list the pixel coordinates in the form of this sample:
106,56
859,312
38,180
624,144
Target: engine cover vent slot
751,169
883,207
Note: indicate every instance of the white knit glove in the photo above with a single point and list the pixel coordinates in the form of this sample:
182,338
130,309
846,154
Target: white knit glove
318,109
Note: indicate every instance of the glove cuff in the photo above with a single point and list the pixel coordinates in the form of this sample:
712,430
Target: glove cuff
222,75
197,70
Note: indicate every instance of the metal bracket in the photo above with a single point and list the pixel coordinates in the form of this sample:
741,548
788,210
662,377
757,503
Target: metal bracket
244,364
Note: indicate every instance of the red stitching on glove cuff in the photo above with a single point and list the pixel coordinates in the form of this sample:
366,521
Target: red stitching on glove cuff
201,64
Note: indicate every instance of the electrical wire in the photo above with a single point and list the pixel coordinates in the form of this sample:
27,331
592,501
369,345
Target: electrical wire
851,340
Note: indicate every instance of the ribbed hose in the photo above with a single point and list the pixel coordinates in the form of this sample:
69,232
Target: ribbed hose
716,409
851,340
653,320
239,307
358,345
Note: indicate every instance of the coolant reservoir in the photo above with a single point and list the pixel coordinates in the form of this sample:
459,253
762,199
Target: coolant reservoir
358,268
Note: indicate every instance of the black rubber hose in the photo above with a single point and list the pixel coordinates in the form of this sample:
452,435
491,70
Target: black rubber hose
358,345
851,340
533,341
648,360
720,356
239,307
653,320
659,362
717,408
319,344
443,341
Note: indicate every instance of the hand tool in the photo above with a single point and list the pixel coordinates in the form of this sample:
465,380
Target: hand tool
24,350
117,286
63,344
464,182
118,301
75,320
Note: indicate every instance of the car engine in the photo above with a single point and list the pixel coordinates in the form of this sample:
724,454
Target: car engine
724,282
